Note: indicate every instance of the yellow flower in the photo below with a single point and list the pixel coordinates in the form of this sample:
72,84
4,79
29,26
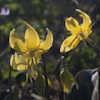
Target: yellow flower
22,62
33,46
79,32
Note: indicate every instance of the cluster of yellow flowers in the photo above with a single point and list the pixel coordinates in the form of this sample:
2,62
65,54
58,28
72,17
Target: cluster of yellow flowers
31,50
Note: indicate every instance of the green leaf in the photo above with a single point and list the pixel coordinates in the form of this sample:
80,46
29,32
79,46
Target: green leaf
65,80
39,84
73,80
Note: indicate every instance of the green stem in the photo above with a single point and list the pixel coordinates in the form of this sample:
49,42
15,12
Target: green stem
65,96
62,60
62,95
10,83
65,34
46,81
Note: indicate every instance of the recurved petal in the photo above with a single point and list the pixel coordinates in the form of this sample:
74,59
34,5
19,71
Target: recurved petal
45,45
31,37
73,26
70,43
16,43
87,24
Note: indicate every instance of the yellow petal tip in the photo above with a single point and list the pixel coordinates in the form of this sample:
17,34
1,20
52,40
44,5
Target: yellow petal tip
12,30
77,9
68,19
24,22
47,29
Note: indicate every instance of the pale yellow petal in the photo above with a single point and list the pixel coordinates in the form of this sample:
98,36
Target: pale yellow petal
22,67
45,45
12,63
87,24
22,59
17,60
31,37
73,26
70,43
75,43
16,43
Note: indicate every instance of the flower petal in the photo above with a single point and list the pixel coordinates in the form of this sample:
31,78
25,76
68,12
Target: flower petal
72,25
16,43
45,45
12,63
31,37
70,43
86,25
17,60
22,59
75,43
22,67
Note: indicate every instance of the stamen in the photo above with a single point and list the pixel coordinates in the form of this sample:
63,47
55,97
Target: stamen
26,77
84,42
89,41
82,35
35,61
33,71
33,76
30,78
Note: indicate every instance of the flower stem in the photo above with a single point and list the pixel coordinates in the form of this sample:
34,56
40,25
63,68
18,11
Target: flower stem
10,83
46,81
62,95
